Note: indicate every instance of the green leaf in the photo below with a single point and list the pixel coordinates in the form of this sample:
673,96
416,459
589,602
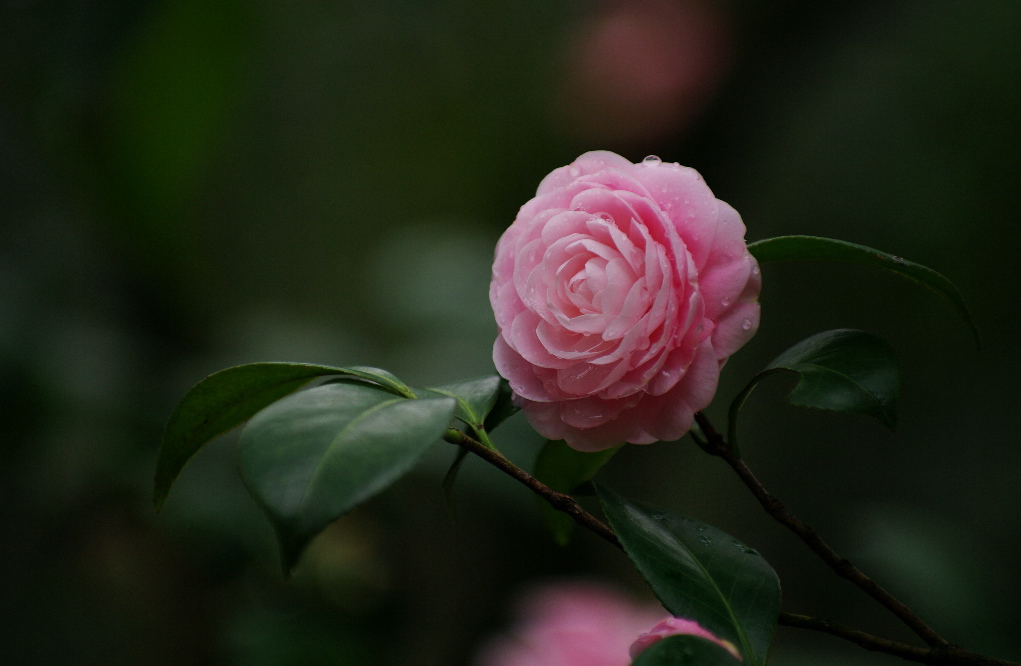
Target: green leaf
481,403
843,370
315,455
700,573
814,248
685,651
475,398
563,469
378,376
503,409
226,399
450,478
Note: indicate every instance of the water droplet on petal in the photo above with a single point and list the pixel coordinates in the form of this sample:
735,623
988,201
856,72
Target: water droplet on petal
725,302
574,171
747,324
756,270
652,160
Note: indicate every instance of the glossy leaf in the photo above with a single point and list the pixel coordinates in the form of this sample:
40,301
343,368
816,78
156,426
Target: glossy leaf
475,398
450,479
685,651
503,408
226,399
315,455
700,573
843,370
563,469
482,404
814,248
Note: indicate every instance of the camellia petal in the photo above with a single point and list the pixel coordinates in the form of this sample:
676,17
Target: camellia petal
620,291
676,626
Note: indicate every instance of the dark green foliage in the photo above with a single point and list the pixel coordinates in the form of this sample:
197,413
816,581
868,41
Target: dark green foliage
477,400
314,456
843,370
700,573
814,248
685,650
563,469
226,399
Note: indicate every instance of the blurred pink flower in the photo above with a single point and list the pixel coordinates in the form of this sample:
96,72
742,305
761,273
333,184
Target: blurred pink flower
572,624
675,626
620,290
640,70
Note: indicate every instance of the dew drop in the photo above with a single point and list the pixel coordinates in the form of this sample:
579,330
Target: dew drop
652,160
574,171
700,528
747,324
706,541
756,270
725,302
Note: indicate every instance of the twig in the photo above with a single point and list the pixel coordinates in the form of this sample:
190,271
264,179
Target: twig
944,655
716,446
867,641
932,656
558,501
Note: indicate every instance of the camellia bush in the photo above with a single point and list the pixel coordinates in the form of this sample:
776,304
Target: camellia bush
620,291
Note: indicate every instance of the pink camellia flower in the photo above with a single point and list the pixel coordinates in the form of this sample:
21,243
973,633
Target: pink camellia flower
572,624
620,290
675,626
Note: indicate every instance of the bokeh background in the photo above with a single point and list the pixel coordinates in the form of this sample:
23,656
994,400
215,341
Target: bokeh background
187,185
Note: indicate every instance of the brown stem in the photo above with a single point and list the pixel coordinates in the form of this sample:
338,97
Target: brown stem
933,656
558,501
947,655
716,446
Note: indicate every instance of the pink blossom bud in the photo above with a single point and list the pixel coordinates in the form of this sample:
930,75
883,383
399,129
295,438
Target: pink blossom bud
676,626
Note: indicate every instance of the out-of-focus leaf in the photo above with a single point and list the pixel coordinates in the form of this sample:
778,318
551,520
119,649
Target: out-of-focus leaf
315,455
815,248
173,96
563,469
685,651
226,399
700,573
843,370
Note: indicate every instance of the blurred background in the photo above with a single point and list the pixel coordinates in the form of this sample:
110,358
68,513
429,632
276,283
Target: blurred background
187,185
